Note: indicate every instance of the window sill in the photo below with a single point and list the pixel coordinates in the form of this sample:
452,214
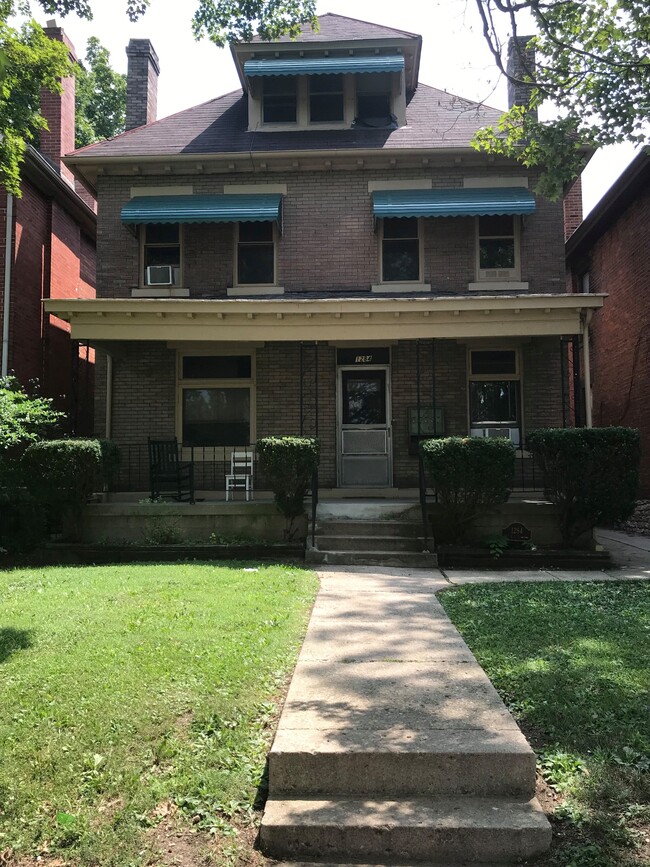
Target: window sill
400,288
487,286
244,291
160,292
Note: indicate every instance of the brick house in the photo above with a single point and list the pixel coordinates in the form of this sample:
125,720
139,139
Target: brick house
48,251
320,252
610,252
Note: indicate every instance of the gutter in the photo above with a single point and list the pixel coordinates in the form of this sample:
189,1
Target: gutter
6,305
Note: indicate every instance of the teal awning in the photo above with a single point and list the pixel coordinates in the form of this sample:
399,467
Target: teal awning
460,202
324,65
203,209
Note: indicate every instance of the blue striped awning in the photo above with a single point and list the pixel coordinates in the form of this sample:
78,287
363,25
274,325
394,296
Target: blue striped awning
203,209
324,65
459,202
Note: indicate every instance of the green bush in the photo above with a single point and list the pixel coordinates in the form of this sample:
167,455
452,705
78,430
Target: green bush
591,473
62,474
289,463
469,475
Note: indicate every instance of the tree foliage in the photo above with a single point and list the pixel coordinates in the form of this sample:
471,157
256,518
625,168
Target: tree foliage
100,96
592,65
23,419
30,62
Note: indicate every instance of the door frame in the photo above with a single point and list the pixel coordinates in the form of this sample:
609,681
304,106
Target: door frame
388,427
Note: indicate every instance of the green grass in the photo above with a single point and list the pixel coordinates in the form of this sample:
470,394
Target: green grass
123,688
572,662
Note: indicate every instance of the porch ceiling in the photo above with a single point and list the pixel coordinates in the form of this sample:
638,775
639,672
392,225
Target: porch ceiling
323,319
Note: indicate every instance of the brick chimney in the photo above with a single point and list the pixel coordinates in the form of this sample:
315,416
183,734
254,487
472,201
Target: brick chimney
521,65
572,203
58,111
141,83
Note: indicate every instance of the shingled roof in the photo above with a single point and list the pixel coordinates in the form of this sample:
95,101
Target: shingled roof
434,119
341,28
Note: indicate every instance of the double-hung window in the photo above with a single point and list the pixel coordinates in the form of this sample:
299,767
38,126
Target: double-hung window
216,398
498,248
161,255
494,393
326,98
400,250
280,99
256,254
374,102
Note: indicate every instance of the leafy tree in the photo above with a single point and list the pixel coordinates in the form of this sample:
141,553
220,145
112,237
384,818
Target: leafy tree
30,61
100,96
23,419
592,64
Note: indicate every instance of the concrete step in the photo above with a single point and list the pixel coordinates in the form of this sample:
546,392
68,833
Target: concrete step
369,543
368,528
356,762
398,559
420,830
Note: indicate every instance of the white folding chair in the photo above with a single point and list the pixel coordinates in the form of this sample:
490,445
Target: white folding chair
240,477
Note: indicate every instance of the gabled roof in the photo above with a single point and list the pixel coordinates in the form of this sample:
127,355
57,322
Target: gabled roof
434,119
341,28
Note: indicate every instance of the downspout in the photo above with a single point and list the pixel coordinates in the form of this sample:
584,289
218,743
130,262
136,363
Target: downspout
109,395
587,368
9,231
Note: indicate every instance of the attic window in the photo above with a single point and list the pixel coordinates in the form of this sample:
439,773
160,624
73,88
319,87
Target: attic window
325,98
280,99
374,102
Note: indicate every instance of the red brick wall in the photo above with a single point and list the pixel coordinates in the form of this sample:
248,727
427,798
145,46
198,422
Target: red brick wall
620,346
329,243
572,208
59,111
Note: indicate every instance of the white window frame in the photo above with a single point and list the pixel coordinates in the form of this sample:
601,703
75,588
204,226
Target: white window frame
142,284
404,283
244,287
240,383
496,377
491,275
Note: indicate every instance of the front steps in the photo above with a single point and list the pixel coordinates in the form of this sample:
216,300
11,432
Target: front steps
348,538
393,746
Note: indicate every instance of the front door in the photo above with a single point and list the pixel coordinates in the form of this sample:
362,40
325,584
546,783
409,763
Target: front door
364,427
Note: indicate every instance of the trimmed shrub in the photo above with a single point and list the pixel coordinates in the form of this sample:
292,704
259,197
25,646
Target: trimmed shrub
469,475
62,474
591,473
289,463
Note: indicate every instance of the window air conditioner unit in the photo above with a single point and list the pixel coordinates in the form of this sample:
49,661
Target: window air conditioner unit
511,433
159,275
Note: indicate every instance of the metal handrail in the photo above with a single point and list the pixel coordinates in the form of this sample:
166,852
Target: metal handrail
314,506
423,503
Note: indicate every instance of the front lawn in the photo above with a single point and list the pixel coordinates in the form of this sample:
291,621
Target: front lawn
572,662
136,708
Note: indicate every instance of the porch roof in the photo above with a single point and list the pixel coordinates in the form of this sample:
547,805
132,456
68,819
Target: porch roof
357,319
454,202
323,65
203,209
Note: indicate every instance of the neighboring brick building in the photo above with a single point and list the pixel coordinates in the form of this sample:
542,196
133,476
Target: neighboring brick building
50,237
322,252
610,253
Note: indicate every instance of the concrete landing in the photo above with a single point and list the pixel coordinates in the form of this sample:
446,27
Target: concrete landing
393,746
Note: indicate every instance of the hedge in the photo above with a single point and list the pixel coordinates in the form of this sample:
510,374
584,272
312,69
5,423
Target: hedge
591,473
62,474
289,463
469,475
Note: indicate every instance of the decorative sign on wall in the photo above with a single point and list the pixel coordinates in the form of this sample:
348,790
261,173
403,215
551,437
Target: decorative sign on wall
517,532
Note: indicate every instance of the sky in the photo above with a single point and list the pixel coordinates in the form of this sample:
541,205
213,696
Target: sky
455,57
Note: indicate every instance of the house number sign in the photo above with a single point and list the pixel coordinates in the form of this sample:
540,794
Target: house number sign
364,355
517,532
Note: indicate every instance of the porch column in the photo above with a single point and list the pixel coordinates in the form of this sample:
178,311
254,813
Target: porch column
587,369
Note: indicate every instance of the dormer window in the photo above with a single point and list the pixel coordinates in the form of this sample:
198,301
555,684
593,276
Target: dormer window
280,99
326,98
374,104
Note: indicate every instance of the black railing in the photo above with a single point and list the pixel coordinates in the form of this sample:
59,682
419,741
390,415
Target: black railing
423,504
211,466
314,506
